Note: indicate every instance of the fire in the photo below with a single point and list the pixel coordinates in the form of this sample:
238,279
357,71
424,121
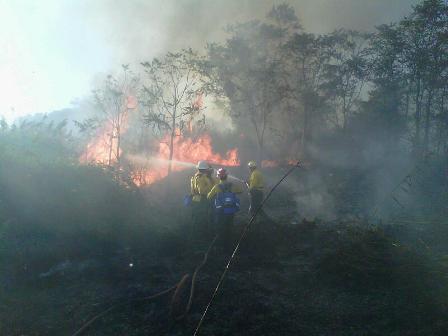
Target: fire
282,163
189,150
102,150
186,153
269,164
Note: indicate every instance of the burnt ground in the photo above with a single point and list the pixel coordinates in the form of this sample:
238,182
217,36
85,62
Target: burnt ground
307,279
291,277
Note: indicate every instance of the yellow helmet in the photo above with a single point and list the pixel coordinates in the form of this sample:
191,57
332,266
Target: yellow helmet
252,164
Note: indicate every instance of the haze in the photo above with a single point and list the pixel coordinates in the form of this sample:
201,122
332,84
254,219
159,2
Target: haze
53,49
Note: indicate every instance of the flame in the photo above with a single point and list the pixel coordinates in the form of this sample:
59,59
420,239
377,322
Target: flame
273,164
102,149
186,151
269,164
131,102
292,162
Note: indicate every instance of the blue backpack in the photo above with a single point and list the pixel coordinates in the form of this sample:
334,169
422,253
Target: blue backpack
187,200
226,201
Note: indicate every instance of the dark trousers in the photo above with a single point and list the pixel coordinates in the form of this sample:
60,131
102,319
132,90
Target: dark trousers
224,225
200,217
255,197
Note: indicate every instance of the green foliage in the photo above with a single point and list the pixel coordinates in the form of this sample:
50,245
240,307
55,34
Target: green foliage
37,143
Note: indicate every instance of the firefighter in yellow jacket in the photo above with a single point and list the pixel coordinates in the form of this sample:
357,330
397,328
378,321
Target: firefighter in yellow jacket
256,187
201,184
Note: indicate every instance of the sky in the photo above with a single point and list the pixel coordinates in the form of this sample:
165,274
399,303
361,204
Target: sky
51,51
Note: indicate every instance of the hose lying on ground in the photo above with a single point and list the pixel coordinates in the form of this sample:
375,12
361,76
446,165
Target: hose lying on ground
193,281
176,288
245,230
103,313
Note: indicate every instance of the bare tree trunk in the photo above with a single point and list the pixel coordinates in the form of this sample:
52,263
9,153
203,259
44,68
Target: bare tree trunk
118,145
344,114
305,132
407,104
427,121
172,135
417,143
444,122
111,144
260,150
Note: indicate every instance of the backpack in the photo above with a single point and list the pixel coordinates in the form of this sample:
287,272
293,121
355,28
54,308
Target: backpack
226,201
187,200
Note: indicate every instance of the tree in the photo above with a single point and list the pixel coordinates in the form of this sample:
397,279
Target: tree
247,71
307,56
172,96
346,72
411,57
114,99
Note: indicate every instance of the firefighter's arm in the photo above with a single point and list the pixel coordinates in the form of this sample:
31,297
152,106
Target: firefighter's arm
250,184
252,180
212,192
192,192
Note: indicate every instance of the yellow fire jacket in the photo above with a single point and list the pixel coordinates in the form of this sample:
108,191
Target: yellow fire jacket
201,185
256,180
235,188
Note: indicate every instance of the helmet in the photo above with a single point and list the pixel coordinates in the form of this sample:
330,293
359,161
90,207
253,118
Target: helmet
202,165
222,173
252,164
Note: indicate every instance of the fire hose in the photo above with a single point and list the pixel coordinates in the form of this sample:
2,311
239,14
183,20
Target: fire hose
177,288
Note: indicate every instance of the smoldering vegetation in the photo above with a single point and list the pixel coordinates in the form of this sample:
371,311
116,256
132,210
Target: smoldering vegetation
354,242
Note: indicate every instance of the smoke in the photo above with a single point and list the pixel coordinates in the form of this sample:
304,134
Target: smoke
54,49
121,32
314,199
134,31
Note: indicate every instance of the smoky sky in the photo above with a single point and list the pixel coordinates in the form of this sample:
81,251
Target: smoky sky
52,50
141,28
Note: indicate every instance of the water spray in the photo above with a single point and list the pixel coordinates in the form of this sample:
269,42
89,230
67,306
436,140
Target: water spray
144,161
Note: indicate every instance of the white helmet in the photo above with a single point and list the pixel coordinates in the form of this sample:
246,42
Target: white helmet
202,165
252,164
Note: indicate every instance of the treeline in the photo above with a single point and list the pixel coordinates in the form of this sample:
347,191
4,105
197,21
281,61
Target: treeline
292,87
295,94
347,99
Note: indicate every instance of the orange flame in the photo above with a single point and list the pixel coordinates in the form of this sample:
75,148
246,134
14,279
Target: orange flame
269,164
186,150
102,150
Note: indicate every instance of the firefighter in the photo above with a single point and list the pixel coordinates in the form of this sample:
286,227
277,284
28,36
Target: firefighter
226,205
201,184
215,180
256,187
